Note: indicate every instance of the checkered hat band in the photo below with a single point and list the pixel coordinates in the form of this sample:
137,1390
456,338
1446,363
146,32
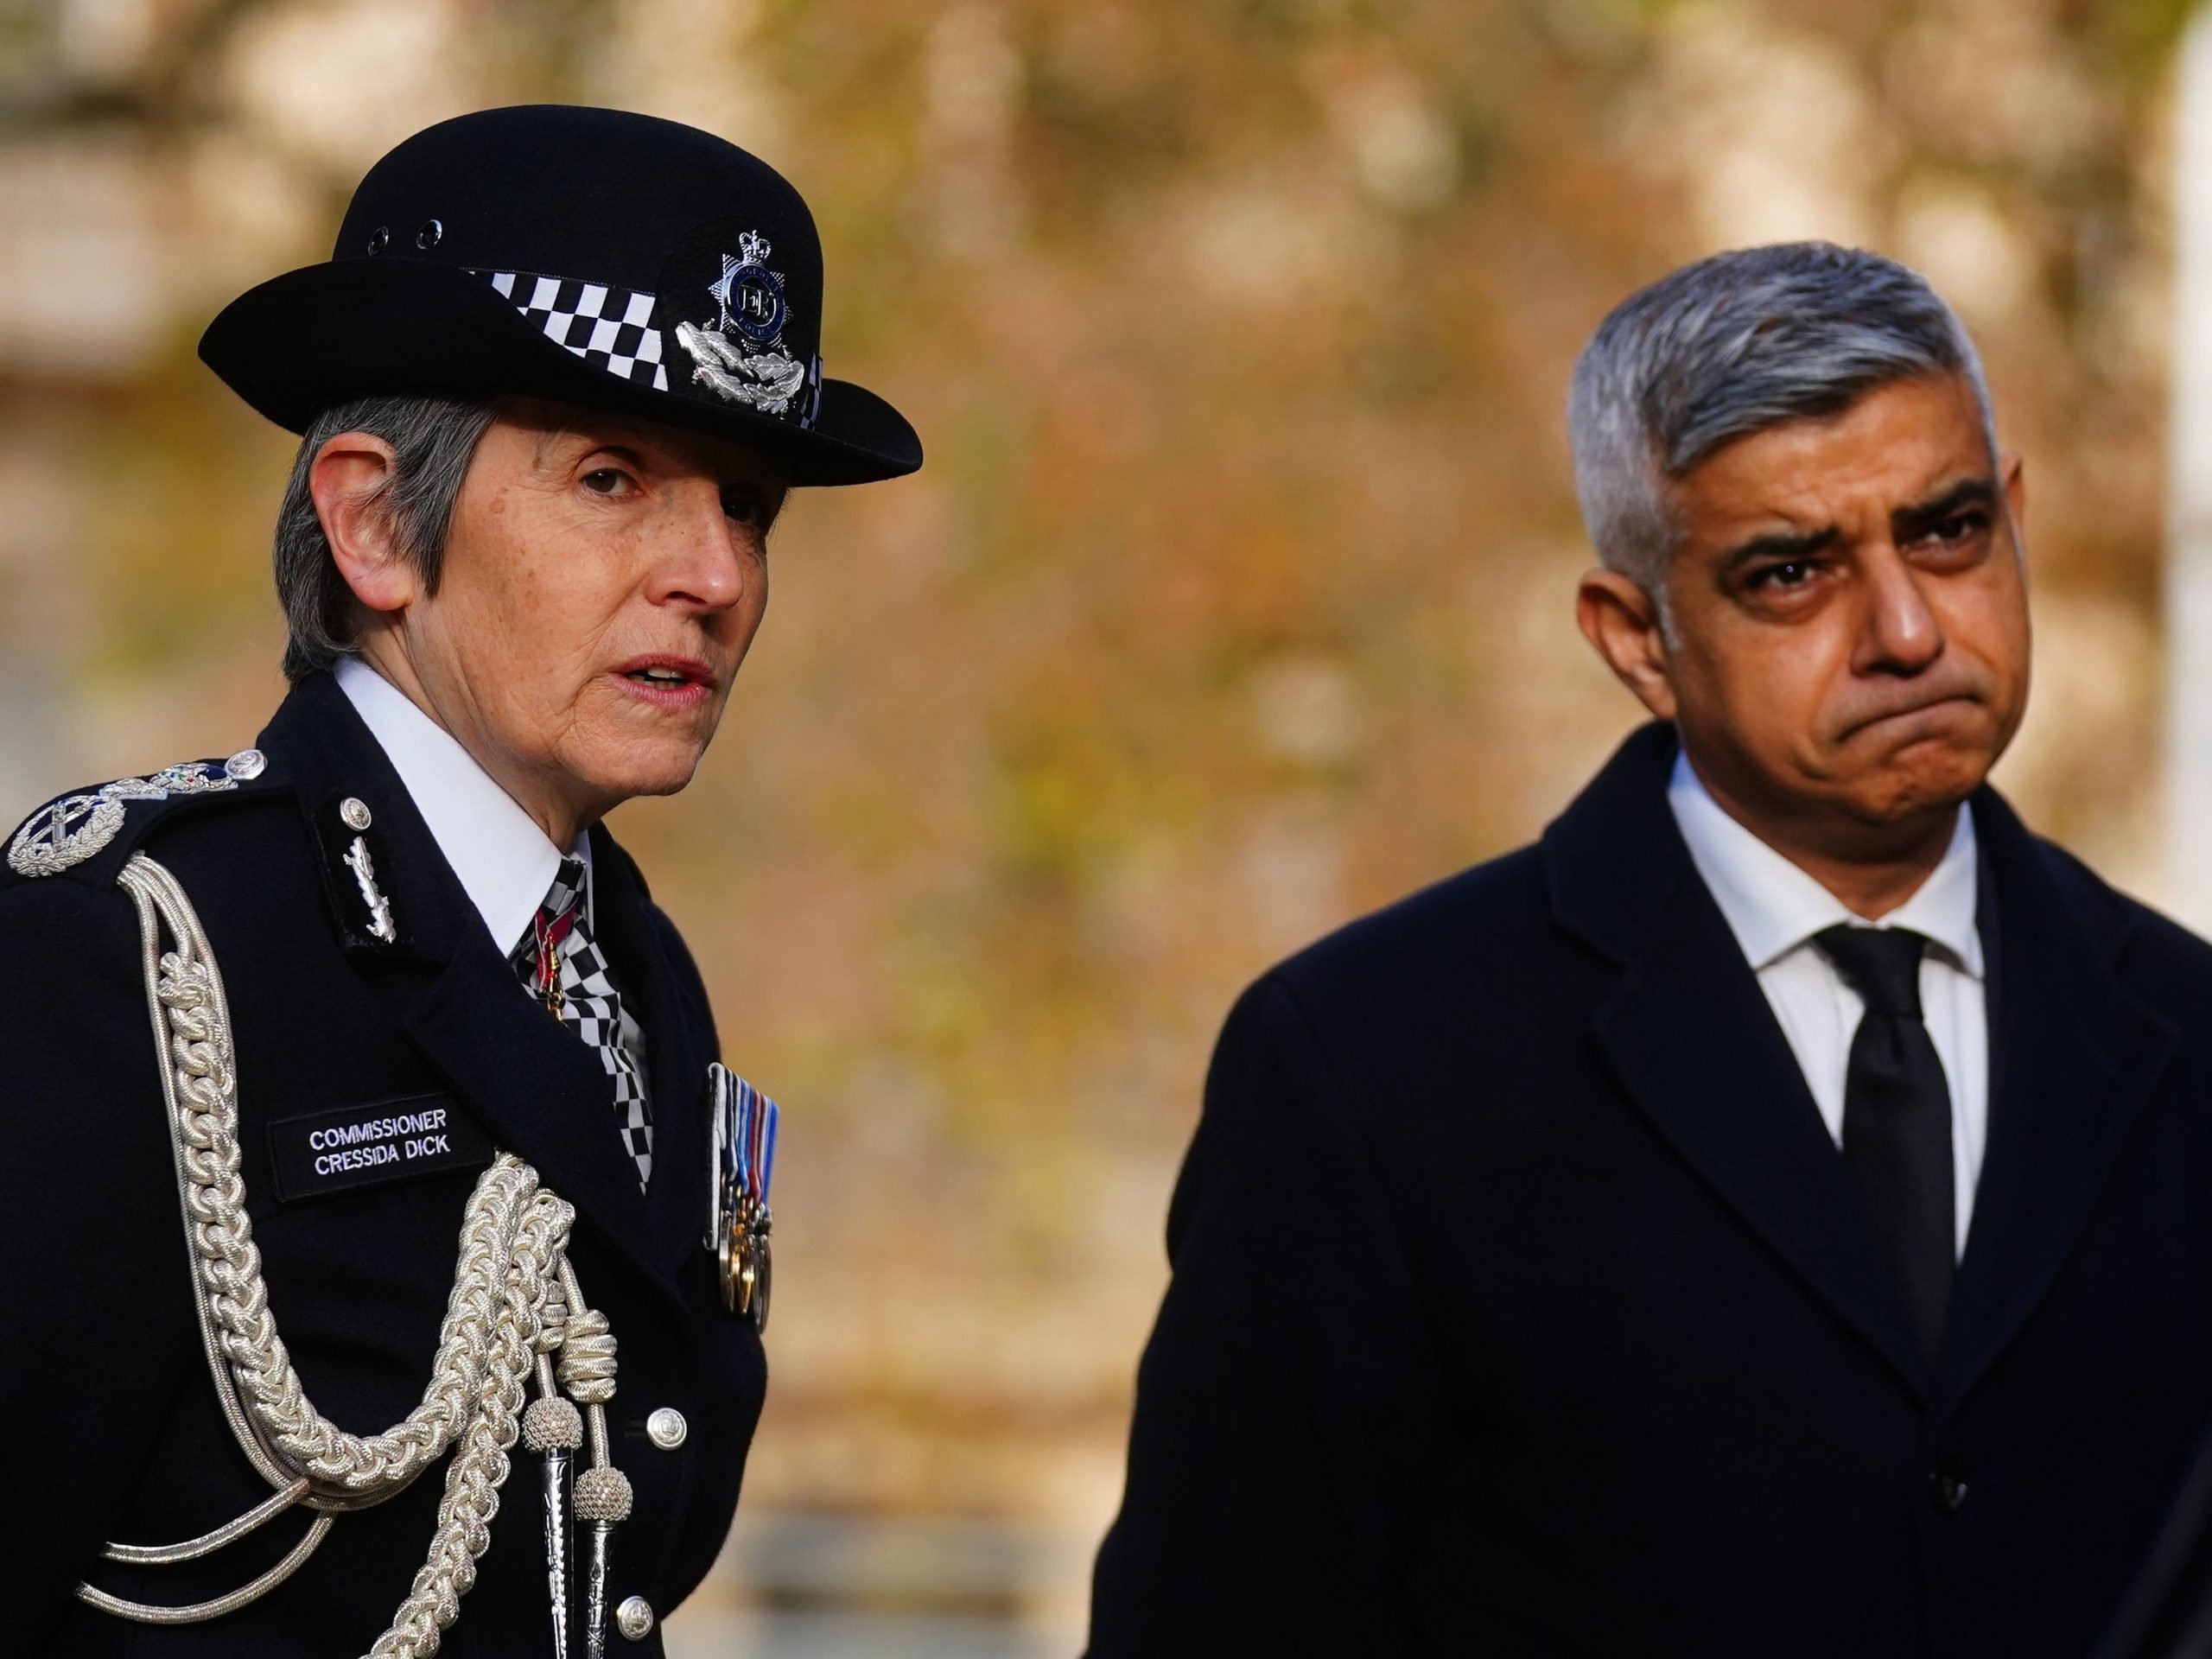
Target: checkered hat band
602,324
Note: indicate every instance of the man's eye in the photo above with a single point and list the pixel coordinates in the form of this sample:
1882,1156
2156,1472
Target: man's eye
1795,573
1958,528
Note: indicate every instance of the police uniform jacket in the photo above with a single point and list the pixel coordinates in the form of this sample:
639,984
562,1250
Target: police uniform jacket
111,1422
1523,1303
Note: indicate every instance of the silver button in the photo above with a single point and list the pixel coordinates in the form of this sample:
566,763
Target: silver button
355,811
246,765
666,1428
634,1618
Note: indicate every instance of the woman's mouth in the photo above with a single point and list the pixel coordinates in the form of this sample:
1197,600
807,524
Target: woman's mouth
668,681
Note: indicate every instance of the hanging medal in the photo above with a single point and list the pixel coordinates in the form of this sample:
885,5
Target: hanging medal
742,1153
550,937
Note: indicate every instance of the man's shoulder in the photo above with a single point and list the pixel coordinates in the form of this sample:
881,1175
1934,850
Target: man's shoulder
2150,951
1492,919
67,853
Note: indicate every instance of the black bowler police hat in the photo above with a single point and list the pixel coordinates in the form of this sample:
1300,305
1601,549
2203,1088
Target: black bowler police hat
591,256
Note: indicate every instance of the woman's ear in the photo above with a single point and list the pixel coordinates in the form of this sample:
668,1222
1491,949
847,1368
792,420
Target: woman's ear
349,479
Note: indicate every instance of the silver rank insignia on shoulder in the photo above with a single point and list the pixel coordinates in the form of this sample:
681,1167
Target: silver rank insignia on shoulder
67,832
741,1160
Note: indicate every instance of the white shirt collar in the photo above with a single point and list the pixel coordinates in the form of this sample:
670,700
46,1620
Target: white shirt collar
1773,907
504,862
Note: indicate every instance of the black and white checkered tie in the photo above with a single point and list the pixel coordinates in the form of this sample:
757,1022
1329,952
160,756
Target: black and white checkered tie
564,968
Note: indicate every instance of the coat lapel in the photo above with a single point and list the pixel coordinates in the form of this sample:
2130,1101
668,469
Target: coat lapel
1694,1043
539,1091
2072,1060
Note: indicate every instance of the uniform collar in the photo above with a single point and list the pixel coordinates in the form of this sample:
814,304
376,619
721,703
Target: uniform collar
504,861
1772,906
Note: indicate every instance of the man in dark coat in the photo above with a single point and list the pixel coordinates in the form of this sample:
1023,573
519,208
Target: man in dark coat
2168,1614
378,1188
1766,1217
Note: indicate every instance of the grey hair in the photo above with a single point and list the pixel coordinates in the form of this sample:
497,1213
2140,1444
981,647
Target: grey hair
435,439
1731,346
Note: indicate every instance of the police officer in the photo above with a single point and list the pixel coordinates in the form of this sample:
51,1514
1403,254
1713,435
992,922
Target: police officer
386,1248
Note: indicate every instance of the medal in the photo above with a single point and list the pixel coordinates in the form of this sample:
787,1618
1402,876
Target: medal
741,1161
546,978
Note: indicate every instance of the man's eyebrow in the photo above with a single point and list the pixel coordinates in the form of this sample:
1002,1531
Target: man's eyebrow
1780,544
1910,523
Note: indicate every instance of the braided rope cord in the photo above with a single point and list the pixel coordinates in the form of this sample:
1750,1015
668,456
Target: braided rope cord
515,1298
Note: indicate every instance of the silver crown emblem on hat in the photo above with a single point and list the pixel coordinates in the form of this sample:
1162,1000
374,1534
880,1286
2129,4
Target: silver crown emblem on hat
740,356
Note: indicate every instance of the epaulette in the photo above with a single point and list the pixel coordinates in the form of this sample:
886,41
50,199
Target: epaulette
89,834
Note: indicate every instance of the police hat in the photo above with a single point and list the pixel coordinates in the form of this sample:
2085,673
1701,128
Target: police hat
588,256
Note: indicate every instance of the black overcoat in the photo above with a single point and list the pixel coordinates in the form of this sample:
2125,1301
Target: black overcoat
113,1431
1521,1303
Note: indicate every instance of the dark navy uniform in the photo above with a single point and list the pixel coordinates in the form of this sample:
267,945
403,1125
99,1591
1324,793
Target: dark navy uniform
114,1431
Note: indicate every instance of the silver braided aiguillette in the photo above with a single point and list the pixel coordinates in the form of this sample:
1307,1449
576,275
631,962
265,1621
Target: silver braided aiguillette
516,1310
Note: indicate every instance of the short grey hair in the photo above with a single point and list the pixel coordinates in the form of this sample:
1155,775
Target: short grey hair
435,439
1731,346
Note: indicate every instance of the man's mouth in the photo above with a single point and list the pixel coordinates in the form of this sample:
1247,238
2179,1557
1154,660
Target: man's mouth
1947,701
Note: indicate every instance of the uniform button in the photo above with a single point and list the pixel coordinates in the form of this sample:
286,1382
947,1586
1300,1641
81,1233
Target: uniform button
666,1428
355,811
246,765
634,1618
1947,1489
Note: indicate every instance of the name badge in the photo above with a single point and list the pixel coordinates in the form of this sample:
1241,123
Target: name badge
363,1146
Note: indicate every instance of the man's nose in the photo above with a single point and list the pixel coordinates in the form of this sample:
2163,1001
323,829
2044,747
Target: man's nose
1900,632
697,559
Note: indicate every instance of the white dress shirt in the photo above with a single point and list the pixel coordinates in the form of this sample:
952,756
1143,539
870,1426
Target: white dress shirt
505,862
1775,909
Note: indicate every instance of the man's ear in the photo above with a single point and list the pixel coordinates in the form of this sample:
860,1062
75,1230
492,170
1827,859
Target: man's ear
350,480
1621,621
2015,470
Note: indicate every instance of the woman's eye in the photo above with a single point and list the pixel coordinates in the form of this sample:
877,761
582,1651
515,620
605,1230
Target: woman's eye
746,509
605,480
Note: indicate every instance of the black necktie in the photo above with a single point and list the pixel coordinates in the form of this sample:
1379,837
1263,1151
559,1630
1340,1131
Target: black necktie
1897,1118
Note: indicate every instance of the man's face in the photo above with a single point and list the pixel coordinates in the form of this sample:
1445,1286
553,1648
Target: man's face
602,579
1848,609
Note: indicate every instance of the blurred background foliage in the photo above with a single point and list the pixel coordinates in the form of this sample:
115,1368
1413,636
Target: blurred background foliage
1235,597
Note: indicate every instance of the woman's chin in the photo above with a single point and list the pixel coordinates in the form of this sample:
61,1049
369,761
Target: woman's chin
621,771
